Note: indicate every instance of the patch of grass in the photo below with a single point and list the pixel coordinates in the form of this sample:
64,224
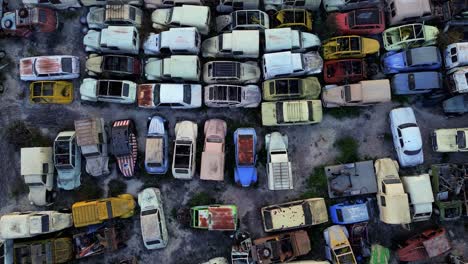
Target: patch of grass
401,99
22,136
174,213
348,148
116,187
388,137
201,198
18,187
89,190
344,112
316,184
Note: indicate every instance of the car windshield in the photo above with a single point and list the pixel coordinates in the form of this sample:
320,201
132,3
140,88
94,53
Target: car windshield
406,125
412,152
67,65
461,139
156,91
409,58
149,212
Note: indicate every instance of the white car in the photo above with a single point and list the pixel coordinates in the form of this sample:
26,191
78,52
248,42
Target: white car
110,2
49,68
172,95
406,137
54,4
152,220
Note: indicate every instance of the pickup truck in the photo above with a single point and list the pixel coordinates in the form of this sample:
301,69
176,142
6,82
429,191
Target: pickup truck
287,39
157,146
283,247
67,160
25,21
288,113
91,137
232,72
113,39
99,239
185,146
245,142
125,145
238,44
32,223
278,167
213,155
111,91
183,16
214,217
93,212
288,64
37,169
176,68
364,93
175,41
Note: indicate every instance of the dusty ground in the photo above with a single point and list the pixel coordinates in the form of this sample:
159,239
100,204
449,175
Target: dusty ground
310,146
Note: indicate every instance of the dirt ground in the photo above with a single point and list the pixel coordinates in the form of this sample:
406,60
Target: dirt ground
309,147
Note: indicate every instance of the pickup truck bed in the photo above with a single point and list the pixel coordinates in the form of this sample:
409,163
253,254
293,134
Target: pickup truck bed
246,147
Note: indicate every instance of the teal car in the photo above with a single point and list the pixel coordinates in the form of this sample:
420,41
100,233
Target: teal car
67,160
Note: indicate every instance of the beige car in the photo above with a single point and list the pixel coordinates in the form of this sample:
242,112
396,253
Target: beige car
359,94
212,162
450,140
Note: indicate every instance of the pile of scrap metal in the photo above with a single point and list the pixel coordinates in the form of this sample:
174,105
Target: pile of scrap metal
99,239
351,179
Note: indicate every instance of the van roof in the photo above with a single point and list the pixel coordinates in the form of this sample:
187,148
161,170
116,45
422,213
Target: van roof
239,43
179,38
118,34
419,188
190,14
32,160
282,62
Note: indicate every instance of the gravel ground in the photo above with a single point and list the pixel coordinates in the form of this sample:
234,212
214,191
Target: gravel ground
310,146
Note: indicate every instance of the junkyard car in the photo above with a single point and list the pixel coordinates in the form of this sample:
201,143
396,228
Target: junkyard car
404,11
409,36
154,4
367,21
152,219
288,113
37,169
349,212
391,197
94,212
177,96
278,167
111,91
125,145
338,249
48,68
273,5
406,137
294,215
51,92
363,93
175,68
237,44
55,4
456,105
185,16
283,247
458,80
113,65
226,6
242,19
91,136
115,15
32,223
428,244
23,22
345,70
183,41
288,64
185,147
67,160
456,55
113,39
105,2
56,250
228,95
233,72
245,142
157,146
343,5
287,39
417,59
416,82
349,47
450,140
212,162
214,217
293,18
291,89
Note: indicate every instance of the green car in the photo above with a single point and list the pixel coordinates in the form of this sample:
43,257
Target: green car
291,89
288,113
409,36
214,217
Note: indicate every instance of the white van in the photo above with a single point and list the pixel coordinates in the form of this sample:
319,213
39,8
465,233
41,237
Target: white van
456,55
287,39
180,41
114,39
176,68
183,16
237,44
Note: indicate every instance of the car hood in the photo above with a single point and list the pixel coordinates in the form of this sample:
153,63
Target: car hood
92,39
393,61
152,44
196,95
37,195
154,68
246,175
88,88
332,95
411,160
402,115
94,64
160,16
210,46
309,40
97,166
313,62
412,138
252,96
96,15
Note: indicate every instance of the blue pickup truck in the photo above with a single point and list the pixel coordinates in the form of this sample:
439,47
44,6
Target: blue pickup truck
245,140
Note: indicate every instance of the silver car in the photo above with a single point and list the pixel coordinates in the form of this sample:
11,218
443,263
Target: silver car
225,95
152,219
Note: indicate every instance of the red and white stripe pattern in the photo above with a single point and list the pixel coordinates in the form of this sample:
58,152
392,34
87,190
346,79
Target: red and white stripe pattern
127,163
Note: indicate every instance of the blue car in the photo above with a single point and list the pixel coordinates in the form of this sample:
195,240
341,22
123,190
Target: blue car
156,153
416,82
417,59
349,213
245,140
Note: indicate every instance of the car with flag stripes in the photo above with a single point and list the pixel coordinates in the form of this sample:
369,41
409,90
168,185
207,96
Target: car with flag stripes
125,146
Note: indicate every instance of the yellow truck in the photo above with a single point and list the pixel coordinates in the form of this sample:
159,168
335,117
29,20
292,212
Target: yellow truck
97,211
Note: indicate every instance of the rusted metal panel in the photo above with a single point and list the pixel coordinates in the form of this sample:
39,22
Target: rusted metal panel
437,245
222,218
45,65
145,95
26,67
246,149
87,132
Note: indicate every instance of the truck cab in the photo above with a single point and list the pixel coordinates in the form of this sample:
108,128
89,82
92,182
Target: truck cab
214,217
279,169
93,212
185,145
175,68
111,91
37,169
175,41
419,190
91,137
183,16
113,39
67,160
238,44
125,145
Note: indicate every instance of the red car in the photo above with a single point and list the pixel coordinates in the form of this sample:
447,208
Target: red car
346,70
428,244
23,22
369,21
